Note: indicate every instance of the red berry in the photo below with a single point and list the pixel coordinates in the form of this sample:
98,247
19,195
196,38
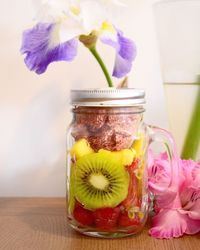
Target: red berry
78,204
83,216
125,221
106,218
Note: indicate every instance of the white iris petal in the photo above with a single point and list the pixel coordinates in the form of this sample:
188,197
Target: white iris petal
93,15
70,28
114,2
75,17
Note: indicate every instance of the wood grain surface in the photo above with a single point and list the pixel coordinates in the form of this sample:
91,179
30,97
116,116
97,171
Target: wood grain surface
40,224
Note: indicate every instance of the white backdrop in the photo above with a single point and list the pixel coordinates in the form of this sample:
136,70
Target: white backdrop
34,110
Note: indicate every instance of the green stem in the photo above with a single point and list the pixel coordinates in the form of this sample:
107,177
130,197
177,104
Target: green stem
192,140
103,67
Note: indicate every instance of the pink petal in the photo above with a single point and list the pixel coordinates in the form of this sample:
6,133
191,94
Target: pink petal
168,200
193,226
159,173
191,171
194,211
168,224
196,175
164,156
185,195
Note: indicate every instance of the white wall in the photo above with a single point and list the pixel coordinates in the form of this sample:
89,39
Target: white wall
34,110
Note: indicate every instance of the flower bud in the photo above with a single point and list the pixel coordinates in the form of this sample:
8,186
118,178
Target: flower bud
90,40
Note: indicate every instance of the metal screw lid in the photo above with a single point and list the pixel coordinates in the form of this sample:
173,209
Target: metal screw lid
108,97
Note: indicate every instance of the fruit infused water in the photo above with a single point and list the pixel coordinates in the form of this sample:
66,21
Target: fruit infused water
107,180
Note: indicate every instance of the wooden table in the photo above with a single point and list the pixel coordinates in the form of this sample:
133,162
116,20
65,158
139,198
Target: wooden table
40,223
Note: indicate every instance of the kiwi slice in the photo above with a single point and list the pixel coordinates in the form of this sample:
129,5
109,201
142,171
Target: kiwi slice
100,181
71,198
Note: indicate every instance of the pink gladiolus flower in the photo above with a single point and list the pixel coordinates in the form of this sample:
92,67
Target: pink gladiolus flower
177,199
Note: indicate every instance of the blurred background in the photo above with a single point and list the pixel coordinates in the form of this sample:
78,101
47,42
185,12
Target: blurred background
35,110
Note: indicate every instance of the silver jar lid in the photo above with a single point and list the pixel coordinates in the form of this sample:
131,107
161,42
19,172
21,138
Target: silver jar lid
108,97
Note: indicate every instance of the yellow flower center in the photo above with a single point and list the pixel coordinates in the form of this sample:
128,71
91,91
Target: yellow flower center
107,27
75,10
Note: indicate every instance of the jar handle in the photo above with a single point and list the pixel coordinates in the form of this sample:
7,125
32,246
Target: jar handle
162,136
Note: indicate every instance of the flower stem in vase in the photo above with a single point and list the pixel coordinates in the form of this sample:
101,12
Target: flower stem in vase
192,141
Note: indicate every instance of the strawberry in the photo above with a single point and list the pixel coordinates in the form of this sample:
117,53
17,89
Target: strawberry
106,218
83,216
125,221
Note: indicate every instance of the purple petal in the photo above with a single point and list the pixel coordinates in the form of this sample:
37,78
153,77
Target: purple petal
125,54
39,51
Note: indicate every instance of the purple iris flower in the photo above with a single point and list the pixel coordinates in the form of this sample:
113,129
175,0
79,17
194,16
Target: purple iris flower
41,46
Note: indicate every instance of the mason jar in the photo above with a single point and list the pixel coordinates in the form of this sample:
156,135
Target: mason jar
107,146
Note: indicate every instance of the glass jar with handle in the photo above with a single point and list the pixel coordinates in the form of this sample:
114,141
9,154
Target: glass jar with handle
107,146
